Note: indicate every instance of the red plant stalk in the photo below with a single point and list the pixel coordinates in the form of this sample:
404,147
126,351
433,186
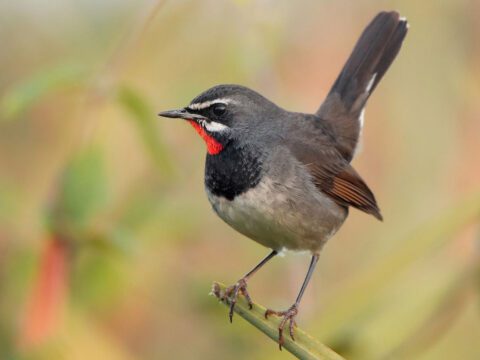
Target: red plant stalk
48,297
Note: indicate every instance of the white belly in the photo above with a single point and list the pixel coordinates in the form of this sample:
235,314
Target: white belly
291,215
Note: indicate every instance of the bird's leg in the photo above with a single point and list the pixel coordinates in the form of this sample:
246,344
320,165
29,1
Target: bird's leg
232,292
290,314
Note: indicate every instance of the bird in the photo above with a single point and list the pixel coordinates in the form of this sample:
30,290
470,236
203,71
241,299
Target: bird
284,179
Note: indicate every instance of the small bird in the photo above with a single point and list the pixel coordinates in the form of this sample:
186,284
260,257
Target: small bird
284,179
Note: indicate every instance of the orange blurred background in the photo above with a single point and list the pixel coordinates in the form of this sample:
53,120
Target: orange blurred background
108,245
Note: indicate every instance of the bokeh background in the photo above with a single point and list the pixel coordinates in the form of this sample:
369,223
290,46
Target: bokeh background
108,246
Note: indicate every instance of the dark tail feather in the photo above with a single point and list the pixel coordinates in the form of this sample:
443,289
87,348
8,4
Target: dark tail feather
373,54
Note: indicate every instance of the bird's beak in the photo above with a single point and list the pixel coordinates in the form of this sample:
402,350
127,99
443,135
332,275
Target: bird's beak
180,114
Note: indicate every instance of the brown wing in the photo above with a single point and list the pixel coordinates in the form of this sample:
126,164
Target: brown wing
345,187
335,177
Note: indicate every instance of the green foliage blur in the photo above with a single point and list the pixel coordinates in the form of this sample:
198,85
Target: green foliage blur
108,246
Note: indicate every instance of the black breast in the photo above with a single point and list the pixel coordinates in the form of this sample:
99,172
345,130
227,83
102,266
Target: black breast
233,171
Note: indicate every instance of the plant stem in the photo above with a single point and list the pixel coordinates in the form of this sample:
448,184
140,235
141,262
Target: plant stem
304,346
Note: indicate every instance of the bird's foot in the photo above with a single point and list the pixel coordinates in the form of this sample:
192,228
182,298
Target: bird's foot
287,315
231,295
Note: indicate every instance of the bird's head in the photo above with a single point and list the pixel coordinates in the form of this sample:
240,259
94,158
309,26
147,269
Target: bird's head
225,112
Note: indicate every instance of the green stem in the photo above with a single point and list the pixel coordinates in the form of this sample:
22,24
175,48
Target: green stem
304,346
353,305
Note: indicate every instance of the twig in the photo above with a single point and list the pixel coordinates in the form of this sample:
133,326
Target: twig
105,81
304,346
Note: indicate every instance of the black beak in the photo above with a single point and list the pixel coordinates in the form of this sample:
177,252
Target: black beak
180,114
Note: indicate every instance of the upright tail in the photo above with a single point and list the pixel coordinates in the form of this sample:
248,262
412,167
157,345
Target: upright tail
373,54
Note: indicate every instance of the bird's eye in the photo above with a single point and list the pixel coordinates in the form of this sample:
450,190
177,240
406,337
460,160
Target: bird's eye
219,109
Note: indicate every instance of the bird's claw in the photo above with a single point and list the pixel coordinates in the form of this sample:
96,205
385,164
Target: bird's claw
231,295
287,315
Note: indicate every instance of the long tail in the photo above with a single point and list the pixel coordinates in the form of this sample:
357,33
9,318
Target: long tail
373,54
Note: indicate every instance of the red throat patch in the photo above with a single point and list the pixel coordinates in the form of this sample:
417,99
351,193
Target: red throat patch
213,146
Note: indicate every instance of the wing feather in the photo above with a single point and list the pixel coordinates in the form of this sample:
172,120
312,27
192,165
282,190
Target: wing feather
335,177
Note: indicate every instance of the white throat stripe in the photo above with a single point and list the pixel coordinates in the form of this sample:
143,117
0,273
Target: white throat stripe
206,104
214,126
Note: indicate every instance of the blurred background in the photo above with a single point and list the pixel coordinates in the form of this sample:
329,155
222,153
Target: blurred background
108,246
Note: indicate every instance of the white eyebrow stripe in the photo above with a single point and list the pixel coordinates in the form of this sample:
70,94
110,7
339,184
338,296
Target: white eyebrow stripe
206,104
